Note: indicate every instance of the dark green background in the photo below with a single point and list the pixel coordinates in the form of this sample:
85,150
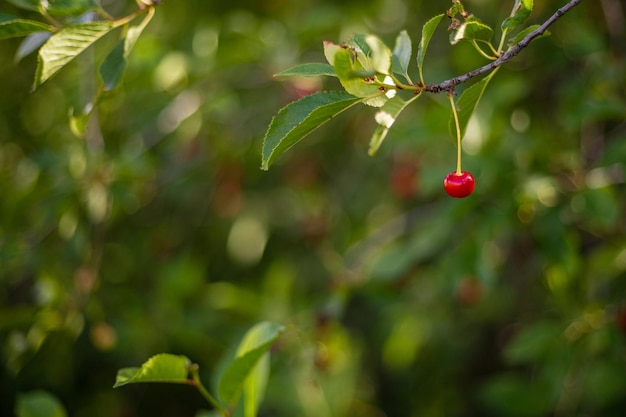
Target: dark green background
158,232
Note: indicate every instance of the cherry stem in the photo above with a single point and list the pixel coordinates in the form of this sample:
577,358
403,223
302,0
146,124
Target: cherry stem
458,134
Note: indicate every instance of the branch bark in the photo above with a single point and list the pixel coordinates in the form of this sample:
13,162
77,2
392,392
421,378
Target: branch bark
507,56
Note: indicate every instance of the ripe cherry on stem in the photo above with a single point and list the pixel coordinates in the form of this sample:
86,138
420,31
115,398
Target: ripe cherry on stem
458,184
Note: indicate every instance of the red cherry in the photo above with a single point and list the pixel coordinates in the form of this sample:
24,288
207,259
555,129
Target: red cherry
459,185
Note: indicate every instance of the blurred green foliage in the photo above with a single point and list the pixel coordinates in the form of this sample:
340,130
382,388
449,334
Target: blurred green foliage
157,232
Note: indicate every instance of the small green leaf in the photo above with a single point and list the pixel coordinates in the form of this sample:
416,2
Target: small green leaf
296,120
15,28
308,70
466,104
386,117
64,46
352,77
163,367
521,35
472,31
254,346
380,55
402,54
114,66
330,49
427,33
38,404
519,14
359,42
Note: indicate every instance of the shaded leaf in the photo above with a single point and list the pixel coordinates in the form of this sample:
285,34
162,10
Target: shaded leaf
427,33
31,43
386,117
308,70
15,28
38,404
254,346
402,54
64,46
466,104
25,4
69,7
519,14
521,35
296,120
163,367
114,66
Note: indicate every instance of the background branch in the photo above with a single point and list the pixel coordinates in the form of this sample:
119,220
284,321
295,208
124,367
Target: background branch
507,56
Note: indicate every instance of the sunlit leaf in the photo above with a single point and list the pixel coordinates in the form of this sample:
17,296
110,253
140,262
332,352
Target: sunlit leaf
402,54
64,46
14,27
330,50
241,371
472,31
519,14
380,55
427,33
308,70
163,367
296,120
352,76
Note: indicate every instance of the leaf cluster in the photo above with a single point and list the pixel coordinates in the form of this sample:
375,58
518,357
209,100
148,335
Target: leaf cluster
372,73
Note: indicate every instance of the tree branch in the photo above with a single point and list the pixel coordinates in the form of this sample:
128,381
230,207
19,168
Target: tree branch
449,84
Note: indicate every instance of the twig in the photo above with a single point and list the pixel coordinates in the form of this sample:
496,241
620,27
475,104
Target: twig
449,84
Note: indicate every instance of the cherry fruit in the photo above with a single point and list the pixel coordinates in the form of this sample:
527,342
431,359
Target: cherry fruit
459,185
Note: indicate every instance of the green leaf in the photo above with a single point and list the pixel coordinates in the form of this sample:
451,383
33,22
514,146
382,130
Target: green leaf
472,31
402,54
15,28
114,66
330,49
26,4
427,33
299,118
308,70
241,374
466,104
69,7
519,14
352,76
380,55
386,117
64,46
31,43
163,367
521,35
38,404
